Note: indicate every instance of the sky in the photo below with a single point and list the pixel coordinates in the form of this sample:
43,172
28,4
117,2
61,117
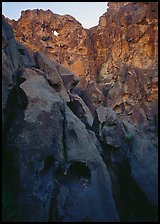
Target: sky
87,13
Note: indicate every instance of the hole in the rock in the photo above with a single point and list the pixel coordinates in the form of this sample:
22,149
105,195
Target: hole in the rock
79,170
21,51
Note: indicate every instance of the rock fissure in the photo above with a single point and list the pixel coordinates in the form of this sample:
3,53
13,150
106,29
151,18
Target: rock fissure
79,116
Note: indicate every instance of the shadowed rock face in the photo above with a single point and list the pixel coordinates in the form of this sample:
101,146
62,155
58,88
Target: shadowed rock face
65,156
53,170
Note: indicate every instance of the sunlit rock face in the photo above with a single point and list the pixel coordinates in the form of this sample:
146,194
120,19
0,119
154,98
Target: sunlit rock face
126,49
127,35
62,38
82,138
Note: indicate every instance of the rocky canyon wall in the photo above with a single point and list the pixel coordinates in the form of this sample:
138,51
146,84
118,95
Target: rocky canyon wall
121,54
126,49
79,116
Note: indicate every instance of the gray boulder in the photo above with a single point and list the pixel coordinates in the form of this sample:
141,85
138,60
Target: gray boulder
35,139
51,74
80,109
87,182
70,80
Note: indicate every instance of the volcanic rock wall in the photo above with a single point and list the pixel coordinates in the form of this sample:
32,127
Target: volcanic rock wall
64,155
51,161
126,49
70,45
120,53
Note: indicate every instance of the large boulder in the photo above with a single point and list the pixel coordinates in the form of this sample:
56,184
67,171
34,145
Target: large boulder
55,160
70,80
14,55
81,110
35,141
139,150
51,74
87,182
91,95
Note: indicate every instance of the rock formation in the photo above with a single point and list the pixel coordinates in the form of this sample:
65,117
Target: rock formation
121,53
125,46
79,116
51,161
72,46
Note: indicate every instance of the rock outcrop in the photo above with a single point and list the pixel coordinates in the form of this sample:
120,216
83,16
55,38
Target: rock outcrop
52,163
125,47
79,116
121,53
71,46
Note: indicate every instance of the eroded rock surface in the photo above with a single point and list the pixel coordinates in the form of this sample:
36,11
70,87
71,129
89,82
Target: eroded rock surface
71,46
80,143
52,163
121,54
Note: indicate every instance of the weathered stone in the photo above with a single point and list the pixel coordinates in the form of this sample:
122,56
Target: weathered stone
139,151
11,60
35,138
51,74
104,116
125,40
92,96
70,79
71,47
52,163
85,167
80,109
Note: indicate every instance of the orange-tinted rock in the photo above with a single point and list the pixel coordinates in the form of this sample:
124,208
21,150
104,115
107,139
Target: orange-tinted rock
125,46
127,34
70,45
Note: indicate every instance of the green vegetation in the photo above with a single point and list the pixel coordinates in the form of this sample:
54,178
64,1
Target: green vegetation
127,137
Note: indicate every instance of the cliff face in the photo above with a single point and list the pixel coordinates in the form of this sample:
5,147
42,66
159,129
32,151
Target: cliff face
69,45
120,53
125,46
51,161
127,34
63,152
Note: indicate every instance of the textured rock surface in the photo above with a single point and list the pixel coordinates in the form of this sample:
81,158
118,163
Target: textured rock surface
71,47
127,35
125,46
80,109
121,53
66,156
133,159
53,170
